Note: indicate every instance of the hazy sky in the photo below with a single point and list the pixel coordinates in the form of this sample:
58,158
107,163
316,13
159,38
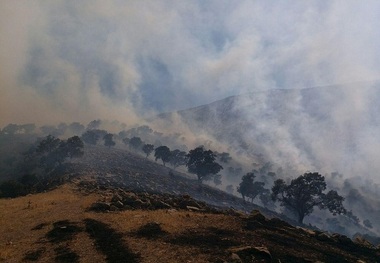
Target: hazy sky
80,60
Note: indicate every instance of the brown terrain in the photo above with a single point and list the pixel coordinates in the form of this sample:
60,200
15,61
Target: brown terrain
114,206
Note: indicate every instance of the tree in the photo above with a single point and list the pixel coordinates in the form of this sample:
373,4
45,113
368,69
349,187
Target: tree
53,151
178,158
126,141
135,143
306,192
202,163
163,153
76,128
10,129
28,128
217,179
48,145
246,185
74,147
148,149
94,125
108,140
249,188
90,137
224,157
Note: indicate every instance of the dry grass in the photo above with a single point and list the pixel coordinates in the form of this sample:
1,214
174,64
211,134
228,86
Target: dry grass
20,215
56,227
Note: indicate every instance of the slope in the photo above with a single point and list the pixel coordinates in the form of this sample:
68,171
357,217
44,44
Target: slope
157,221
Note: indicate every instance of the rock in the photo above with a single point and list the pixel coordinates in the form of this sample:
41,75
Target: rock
113,208
363,242
309,232
188,202
100,206
342,239
235,258
249,253
158,204
116,198
119,204
257,216
138,203
323,237
255,220
278,223
192,208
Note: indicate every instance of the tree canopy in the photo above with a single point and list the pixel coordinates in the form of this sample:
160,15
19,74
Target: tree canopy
148,149
53,151
163,153
178,158
306,192
108,140
90,137
135,143
249,188
202,163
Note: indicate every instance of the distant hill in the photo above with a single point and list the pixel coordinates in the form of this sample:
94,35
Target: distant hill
325,128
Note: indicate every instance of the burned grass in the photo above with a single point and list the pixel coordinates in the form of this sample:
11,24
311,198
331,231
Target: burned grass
65,255
34,255
63,231
40,226
110,242
151,230
204,239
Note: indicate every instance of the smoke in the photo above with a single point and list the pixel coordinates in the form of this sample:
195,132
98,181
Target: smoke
84,60
77,61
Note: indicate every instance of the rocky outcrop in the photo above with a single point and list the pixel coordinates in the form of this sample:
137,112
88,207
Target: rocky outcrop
123,200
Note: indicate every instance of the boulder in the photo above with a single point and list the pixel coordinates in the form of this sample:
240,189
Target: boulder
158,204
116,198
361,241
118,204
257,216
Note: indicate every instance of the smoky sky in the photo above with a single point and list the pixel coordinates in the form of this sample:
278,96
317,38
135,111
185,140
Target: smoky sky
81,60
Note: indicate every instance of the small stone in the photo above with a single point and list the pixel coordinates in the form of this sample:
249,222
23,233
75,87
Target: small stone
192,208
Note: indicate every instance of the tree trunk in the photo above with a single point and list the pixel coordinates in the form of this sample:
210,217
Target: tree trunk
300,218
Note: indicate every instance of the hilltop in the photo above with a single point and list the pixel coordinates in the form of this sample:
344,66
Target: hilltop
115,206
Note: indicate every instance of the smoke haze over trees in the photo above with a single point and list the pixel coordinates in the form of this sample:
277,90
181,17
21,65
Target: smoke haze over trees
295,87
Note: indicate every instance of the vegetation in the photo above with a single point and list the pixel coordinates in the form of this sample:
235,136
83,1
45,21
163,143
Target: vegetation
249,188
135,143
178,158
52,152
148,149
306,192
108,140
163,153
90,137
202,163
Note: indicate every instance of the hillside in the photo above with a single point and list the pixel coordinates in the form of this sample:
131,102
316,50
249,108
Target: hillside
333,130
325,128
114,206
